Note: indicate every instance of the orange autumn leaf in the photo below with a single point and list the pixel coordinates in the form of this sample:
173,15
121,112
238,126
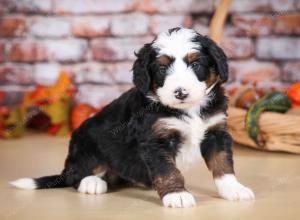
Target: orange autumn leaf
52,93
80,113
62,85
38,93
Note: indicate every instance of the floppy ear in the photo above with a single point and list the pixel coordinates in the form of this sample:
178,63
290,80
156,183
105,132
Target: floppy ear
219,57
141,75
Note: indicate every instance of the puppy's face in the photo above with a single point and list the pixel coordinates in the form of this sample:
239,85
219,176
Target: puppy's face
179,68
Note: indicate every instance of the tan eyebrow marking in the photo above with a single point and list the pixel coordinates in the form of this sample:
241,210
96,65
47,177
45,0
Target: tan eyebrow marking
164,60
190,57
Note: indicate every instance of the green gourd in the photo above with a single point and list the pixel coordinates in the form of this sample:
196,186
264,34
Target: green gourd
274,102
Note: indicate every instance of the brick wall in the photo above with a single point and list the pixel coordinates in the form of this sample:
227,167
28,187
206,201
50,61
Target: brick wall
95,39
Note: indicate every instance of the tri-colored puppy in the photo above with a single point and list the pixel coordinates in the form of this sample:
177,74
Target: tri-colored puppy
175,113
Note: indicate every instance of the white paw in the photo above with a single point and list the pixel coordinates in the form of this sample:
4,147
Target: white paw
92,185
179,200
229,188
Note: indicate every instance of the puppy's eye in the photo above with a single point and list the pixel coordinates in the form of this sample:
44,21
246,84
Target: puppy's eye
195,66
163,69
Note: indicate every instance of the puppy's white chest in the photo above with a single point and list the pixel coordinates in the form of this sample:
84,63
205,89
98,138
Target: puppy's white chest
192,129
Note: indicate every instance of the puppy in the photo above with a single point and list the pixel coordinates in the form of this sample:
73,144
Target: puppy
175,113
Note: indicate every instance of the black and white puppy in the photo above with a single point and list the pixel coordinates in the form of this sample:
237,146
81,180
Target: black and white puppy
175,113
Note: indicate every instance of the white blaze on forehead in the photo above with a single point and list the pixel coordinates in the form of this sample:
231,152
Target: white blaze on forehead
177,44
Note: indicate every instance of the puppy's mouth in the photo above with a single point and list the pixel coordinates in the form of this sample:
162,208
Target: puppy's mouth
183,104
178,104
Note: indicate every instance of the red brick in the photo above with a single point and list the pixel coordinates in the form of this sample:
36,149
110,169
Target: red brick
129,24
282,6
160,23
288,24
253,24
171,6
114,49
122,72
50,27
15,92
254,71
92,6
125,87
30,6
92,72
197,6
101,73
90,26
3,7
46,73
291,71
96,95
248,6
278,48
12,26
66,50
27,51
201,19
16,74
2,52
201,28
237,47
229,30
201,24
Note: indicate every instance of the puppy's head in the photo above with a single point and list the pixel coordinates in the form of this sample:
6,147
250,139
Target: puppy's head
179,68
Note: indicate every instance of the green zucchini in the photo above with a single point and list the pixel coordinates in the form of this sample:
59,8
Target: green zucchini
274,102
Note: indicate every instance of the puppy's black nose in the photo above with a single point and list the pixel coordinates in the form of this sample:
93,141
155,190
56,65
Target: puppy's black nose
181,93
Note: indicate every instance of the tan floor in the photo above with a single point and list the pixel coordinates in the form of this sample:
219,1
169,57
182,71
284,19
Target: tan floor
274,177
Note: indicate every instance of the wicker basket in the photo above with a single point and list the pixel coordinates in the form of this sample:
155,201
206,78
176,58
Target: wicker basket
281,131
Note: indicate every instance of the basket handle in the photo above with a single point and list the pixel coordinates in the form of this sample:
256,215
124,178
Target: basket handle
217,23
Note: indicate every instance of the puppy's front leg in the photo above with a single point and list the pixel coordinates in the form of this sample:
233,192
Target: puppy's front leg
216,150
170,188
168,181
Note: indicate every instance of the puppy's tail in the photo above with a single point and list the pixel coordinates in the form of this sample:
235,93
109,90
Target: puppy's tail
45,182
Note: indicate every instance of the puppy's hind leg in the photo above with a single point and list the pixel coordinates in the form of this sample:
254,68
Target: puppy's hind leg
89,183
86,175
92,185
